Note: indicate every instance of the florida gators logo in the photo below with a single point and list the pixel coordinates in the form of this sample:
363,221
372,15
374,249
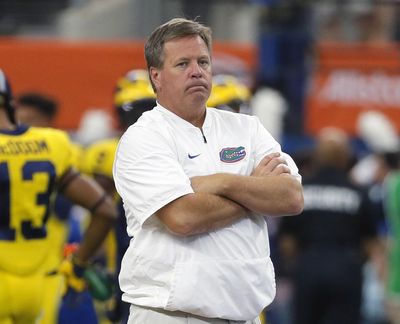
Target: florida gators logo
232,154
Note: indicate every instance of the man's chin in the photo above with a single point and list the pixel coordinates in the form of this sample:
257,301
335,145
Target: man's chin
199,99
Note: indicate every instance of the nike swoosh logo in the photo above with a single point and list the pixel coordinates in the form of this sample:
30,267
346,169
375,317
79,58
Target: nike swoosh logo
193,156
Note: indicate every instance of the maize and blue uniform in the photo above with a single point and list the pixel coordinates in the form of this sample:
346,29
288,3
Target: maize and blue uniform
98,162
32,160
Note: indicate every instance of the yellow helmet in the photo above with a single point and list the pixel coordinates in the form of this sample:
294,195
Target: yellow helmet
133,96
228,92
133,86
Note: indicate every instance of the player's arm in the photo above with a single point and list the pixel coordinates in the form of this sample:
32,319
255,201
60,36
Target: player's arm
106,183
221,199
85,192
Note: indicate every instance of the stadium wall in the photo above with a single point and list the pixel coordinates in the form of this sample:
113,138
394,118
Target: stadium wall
81,75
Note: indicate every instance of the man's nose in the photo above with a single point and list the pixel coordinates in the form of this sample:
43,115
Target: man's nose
196,70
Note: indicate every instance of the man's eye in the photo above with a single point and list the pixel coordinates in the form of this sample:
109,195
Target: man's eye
204,63
182,64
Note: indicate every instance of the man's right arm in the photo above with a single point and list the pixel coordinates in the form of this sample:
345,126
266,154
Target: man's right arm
207,209
198,213
85,192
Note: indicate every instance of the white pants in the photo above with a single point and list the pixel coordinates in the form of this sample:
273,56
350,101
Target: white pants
143,315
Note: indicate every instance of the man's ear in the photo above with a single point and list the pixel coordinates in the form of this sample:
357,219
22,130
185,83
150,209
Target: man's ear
155,77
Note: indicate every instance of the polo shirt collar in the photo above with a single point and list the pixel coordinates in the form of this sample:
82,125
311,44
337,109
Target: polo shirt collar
182,122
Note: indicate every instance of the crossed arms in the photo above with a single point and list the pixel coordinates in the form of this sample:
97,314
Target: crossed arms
220,199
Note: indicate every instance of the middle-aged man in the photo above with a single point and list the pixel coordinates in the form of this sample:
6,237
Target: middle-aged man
196,185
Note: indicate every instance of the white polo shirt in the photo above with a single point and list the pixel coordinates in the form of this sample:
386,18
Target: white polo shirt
226,273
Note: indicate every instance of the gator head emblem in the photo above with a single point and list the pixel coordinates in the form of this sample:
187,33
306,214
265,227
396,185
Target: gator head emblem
232,154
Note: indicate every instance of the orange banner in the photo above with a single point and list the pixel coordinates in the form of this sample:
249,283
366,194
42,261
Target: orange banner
350,79
82,75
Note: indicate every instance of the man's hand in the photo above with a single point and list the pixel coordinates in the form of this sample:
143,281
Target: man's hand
271,164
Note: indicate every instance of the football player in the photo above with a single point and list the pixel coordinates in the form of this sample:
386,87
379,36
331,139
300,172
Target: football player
133,96
35,163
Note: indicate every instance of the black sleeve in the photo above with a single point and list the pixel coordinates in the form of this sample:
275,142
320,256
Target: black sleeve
369,215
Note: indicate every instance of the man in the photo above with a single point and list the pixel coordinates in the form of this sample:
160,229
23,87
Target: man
331,237
34,163
194,183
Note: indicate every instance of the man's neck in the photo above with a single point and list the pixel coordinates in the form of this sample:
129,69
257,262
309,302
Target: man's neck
193,115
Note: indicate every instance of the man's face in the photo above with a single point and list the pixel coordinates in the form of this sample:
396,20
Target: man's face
184,82
31,116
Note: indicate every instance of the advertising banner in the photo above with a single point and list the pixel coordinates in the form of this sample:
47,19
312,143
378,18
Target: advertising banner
349,79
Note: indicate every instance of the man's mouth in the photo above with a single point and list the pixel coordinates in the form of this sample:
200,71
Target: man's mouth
197,87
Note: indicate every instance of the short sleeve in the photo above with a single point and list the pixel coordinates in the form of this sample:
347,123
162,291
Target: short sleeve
147,173
62,147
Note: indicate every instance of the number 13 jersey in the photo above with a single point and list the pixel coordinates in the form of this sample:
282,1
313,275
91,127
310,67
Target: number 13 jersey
32,160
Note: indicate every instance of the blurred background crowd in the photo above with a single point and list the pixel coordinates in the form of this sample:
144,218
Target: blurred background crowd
322,76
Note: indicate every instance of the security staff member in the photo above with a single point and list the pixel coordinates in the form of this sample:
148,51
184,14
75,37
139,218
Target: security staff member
329,237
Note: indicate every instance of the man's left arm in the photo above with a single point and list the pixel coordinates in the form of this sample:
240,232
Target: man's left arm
269,190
